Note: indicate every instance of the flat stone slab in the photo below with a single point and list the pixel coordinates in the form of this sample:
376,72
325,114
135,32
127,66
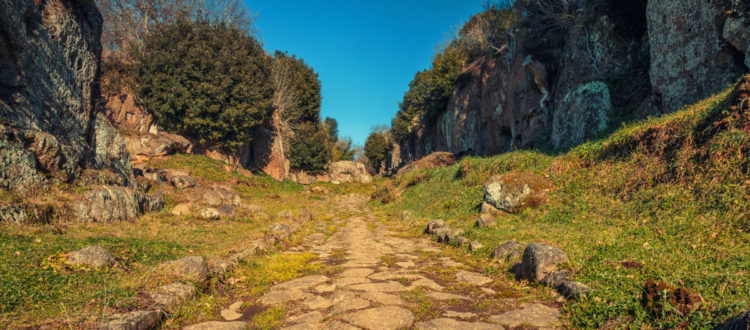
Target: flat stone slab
301,283
451,324
356,272
230,315
217,325
383,298
472,278
317,302
308,318
379,287
338,325
385,276
281,297
384,318
536,315
426,283
350,305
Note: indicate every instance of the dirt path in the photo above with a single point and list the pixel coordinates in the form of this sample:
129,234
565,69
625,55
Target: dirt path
382,281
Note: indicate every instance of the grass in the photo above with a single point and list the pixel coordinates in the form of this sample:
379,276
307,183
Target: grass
670,193
39,288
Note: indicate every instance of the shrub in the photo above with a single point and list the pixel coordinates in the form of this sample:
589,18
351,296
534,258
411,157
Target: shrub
375,148
308,150
207,81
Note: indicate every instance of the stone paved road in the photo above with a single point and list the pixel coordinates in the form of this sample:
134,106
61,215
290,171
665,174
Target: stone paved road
382,281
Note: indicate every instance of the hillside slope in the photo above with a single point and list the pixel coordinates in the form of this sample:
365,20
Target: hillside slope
665,198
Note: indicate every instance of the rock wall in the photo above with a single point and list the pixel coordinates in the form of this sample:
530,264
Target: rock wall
49,66
49,91
618,59
690,59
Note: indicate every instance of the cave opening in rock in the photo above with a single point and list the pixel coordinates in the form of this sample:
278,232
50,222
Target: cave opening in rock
629,17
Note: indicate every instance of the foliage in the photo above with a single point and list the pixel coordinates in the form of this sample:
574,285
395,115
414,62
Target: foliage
309,148
669,193
375,149
343,149
429,92
296,90
204,80
333,127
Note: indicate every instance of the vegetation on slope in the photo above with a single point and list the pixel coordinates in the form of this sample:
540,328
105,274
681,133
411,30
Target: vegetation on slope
671,194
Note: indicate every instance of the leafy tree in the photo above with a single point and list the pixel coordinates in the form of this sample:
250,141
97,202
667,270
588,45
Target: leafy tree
309,149
296,90
429,92
333,127
375,149
205,80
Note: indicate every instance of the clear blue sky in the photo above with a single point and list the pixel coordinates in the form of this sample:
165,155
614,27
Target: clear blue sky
365,52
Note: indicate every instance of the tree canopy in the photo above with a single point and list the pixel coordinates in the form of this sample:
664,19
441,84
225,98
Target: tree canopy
205,80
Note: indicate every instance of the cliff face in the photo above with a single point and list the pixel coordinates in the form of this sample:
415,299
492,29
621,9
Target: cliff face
49,71
630,59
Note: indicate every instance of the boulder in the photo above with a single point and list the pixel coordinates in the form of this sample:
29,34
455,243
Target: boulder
539,260
348,171
573,290
556,278
192,268
475,245
512,192
182,209
12,213
94,256
170,296
508,251
226,211
135,320
739,322
156,145
486,220
280,231
434,225
213,196
182,181
209,213
112,203
461,241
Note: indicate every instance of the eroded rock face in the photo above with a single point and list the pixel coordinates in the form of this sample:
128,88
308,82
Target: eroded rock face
157,145
112,203
126,114
689,58
49,69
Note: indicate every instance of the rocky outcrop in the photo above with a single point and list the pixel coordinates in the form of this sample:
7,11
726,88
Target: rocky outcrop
49,69
512,192
149,145
124,113
690,60
112,203
642,59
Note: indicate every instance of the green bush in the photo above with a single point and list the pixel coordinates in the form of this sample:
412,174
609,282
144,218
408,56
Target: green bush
207,81
309,148
375,148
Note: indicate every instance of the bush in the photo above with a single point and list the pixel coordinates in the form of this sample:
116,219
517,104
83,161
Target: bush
375,148
308,150
207,81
